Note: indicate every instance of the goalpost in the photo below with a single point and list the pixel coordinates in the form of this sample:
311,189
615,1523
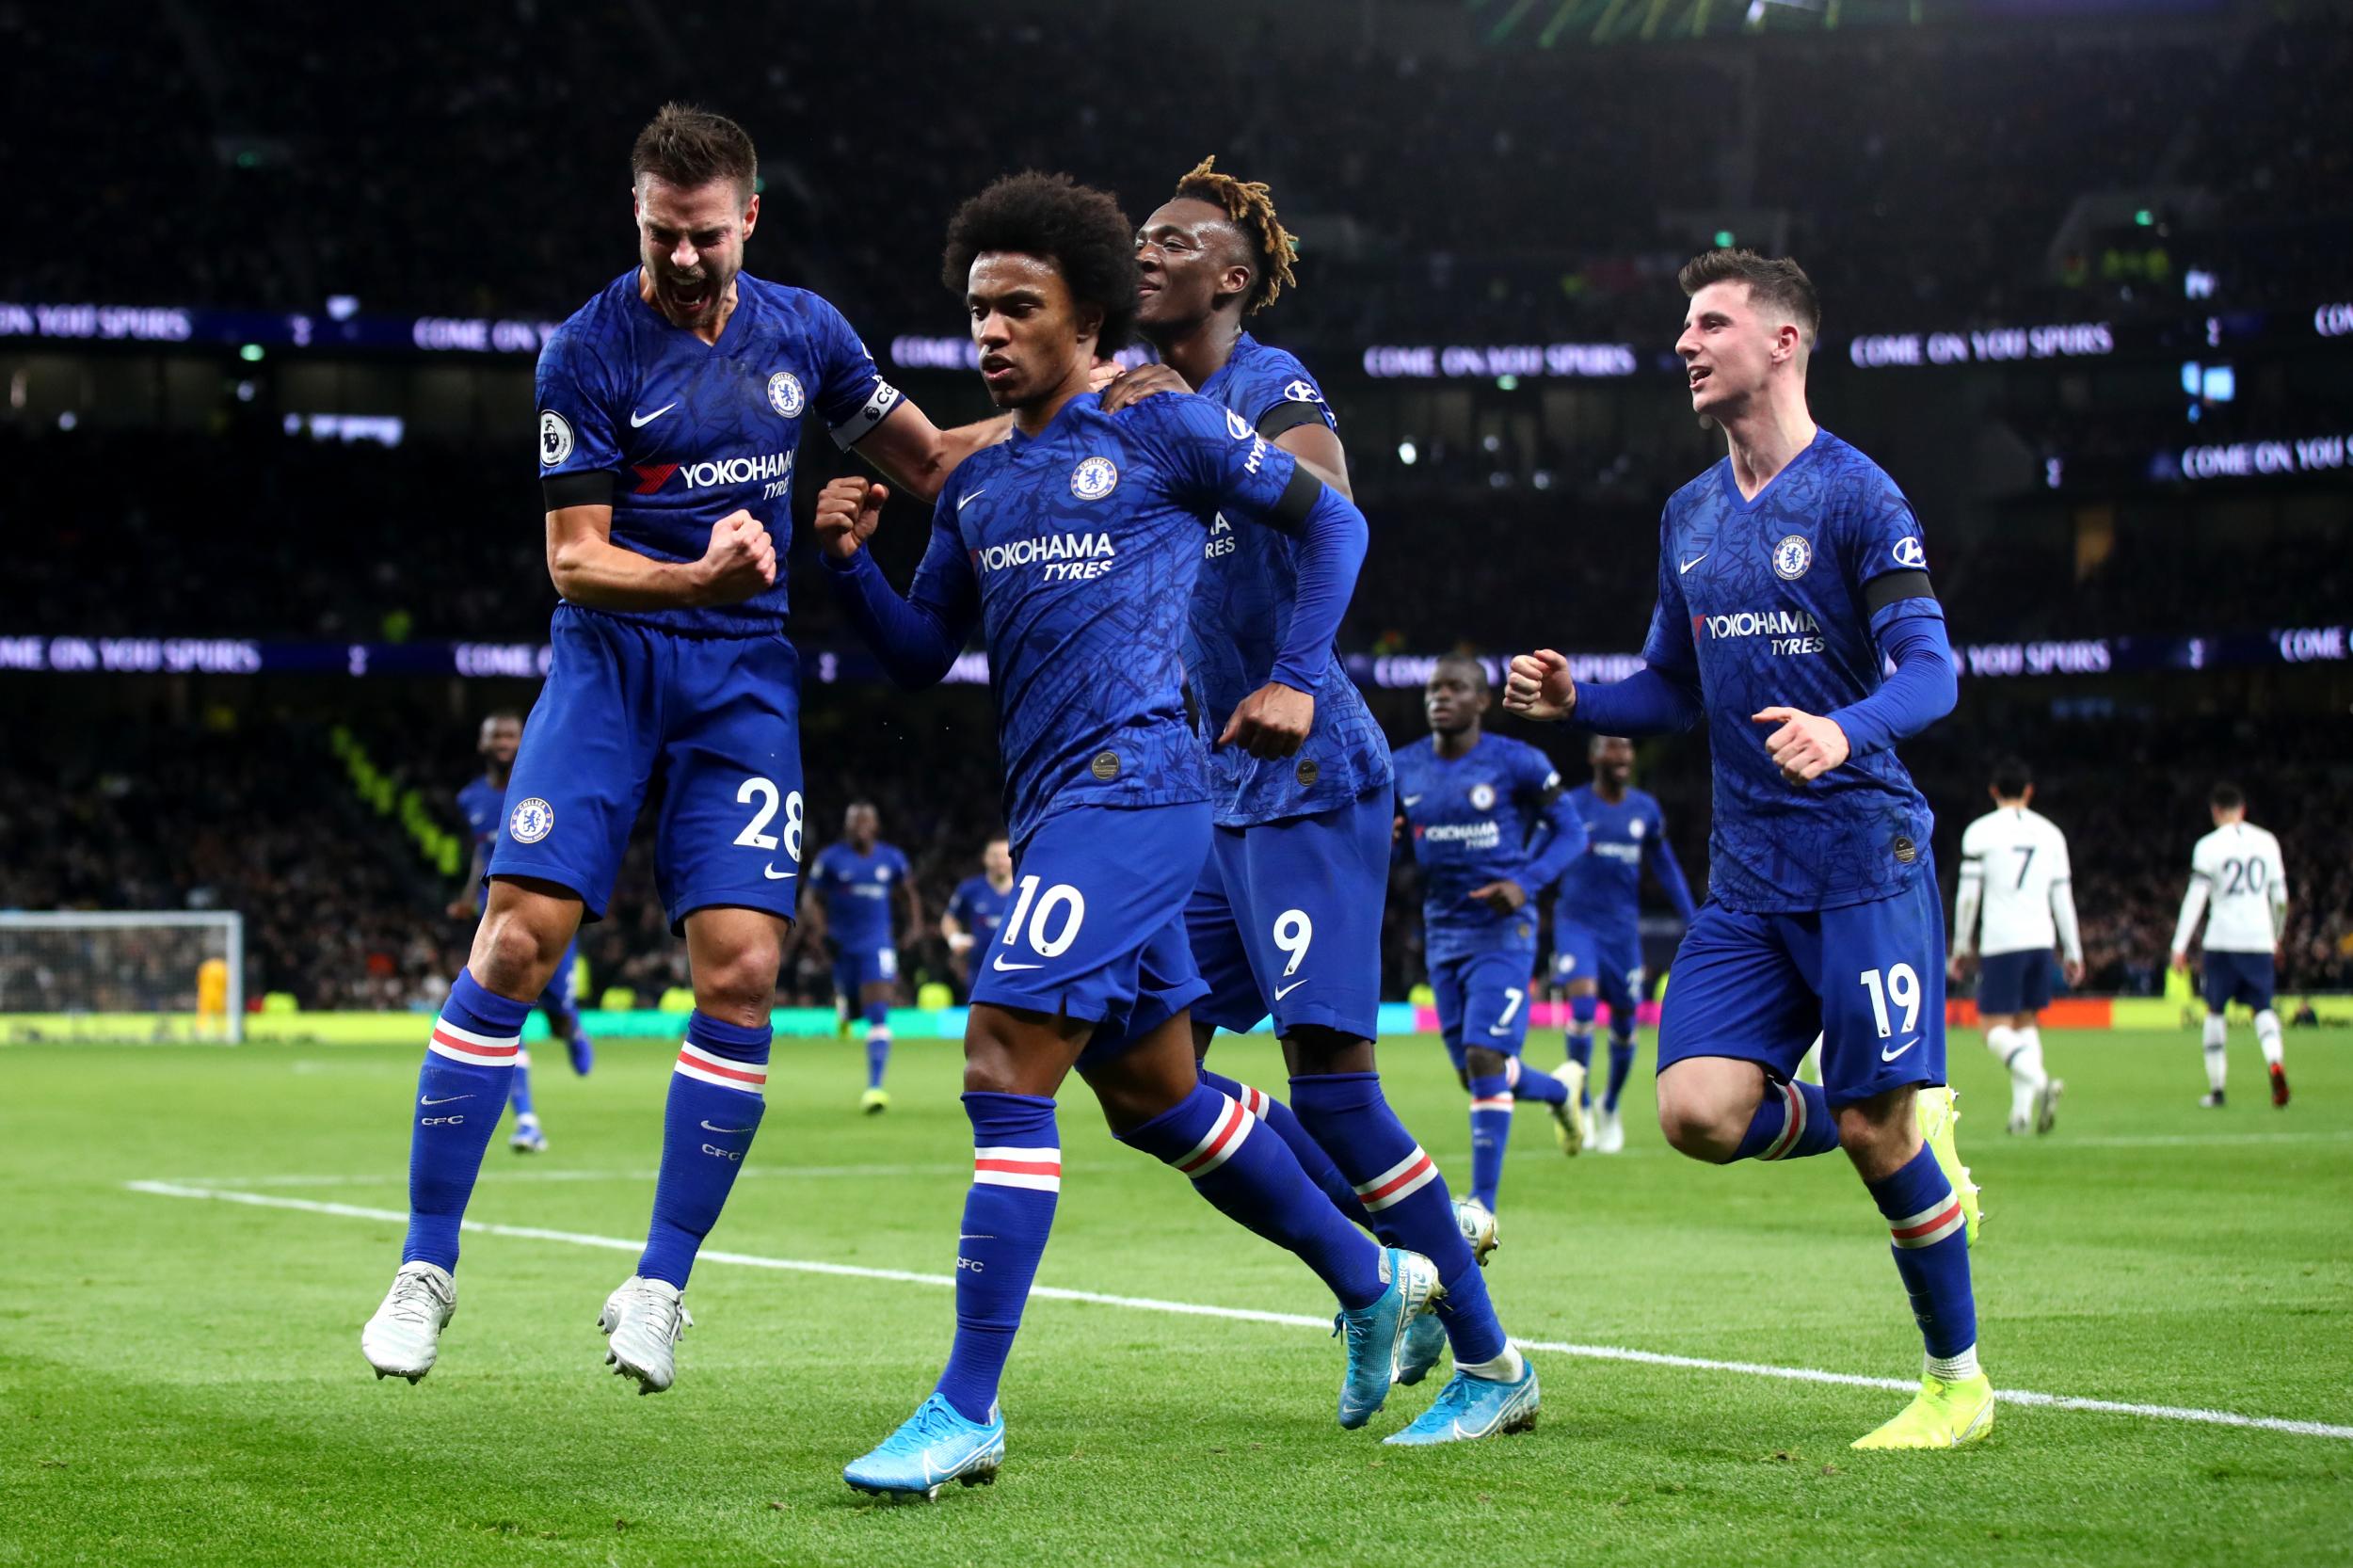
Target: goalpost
122,975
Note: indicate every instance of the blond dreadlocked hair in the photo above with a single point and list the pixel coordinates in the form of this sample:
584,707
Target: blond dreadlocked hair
1251,205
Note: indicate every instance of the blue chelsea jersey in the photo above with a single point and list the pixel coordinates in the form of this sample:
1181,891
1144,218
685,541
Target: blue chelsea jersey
482,805
1602,889
1242,613
1473,820
1077,550
688,432
1762,603
980,908
857,890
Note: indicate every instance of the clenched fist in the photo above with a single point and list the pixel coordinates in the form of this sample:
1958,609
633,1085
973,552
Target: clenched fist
740,561
1538,686
1272,720
849,509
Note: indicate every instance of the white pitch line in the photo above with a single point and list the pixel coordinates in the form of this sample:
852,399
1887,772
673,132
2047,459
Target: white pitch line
400,1178
1285,1320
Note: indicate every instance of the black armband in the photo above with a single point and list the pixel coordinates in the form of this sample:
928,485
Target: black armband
1288,415
591,488
1885,589
1298,497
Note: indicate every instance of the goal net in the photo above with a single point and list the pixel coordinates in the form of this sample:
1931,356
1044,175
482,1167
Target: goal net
134,975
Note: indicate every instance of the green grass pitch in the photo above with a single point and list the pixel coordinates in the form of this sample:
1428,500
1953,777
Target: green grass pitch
181,1379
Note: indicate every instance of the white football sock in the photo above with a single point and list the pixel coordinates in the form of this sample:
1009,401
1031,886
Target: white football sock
2029,1065
1506,1367
2267,1037
2218,1064
1953,1368
2009,1047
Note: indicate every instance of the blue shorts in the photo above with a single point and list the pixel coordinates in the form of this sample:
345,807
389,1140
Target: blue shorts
1285,919
1615,961
1869,977
2015,981
712,725
853,971
562,995
1482,1000
2230,977
1097,925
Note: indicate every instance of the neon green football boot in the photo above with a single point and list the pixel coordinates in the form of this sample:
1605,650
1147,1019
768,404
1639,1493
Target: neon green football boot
1938,1113
1944,1415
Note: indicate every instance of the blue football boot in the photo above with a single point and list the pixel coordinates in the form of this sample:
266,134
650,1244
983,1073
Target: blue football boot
935,1446
1469,1407
1376,1333
583,1051
1425,1342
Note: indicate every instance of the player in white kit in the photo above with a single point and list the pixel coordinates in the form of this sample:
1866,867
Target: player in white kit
2238,881
2014,875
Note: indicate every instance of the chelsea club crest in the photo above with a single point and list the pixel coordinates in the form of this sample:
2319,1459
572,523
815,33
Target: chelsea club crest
784,394
1094,479
1791,558
1482,796
530,821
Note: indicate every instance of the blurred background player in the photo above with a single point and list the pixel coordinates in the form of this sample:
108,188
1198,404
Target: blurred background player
976,911
2014,871
1490,828
855,878
1793,571
668,660
2236,869
483,802
1596,921
1073,545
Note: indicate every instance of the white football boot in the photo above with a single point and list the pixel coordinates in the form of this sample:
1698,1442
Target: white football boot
642,1322
404,1338
1609,1131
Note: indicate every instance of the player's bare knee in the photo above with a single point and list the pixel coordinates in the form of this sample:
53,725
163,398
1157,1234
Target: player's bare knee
510,957
1314,1049
1704,1118
1881,1134
1202,1034
737,985
1478,1062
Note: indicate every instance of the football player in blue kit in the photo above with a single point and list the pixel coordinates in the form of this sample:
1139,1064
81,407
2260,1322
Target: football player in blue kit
1285,918
1491,829
483,802
1596,921
976,911
1791,574
855,878
1073,547
670,408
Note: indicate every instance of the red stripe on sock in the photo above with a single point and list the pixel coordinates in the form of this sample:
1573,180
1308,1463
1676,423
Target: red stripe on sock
1944,1217
1404,1179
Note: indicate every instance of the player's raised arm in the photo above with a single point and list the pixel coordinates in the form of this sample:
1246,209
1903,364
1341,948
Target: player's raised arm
918,636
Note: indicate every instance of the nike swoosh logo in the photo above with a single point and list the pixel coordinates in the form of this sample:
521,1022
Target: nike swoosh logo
709,1127
962,502
1504,1029
1000,964
972,1238
773,874
1686,566
1412,800
443,1100
1886,1055
1282,991
638,421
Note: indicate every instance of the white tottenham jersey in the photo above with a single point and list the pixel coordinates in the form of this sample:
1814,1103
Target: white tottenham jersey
2015,860
2238,870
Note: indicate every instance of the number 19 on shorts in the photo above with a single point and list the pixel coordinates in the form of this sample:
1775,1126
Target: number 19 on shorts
1898,984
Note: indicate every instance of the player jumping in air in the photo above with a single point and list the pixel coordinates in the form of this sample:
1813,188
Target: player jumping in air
670,407
1285,918
1596,921
976,911
1073,545
2236,866
1787,573
2013,866
483,802
1491,829
856,877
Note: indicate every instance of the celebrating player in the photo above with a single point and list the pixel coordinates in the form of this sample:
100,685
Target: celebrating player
855,878
976,910
2013,865
1074,546
2237,868
1787,573
483,802
670,407
1490,829
1596,921
1285,917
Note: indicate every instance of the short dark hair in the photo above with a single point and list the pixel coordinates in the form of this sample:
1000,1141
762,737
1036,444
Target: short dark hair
503,715
687,147
1250,208
1078,228
1593,746
1468,662
2012,777
2227,797
1775,281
